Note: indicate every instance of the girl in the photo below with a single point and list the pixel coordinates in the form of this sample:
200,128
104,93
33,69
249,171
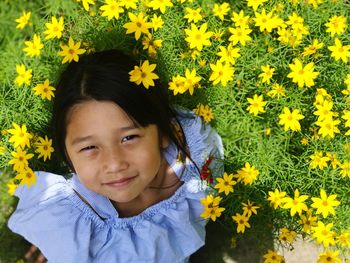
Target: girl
135,190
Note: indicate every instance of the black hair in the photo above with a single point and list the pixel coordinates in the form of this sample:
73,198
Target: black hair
104,76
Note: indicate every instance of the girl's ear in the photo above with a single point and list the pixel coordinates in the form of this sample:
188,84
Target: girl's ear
164,141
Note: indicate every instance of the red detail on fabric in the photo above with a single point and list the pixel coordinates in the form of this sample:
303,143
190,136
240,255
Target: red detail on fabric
205,173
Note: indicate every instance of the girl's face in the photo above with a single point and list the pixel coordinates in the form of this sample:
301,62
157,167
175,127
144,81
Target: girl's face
109,153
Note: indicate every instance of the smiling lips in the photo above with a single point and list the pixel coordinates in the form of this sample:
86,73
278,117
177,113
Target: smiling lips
121,182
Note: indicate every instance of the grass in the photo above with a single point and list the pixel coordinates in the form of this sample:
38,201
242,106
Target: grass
282,160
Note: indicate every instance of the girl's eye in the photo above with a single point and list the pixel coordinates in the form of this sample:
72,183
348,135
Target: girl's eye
91,147
129,138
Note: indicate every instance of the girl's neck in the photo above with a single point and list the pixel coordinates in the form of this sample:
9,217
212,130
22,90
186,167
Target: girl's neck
164,186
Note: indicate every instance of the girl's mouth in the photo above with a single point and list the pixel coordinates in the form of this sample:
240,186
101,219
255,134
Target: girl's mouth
120,182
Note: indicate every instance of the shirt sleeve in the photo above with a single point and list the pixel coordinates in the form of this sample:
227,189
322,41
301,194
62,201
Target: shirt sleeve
204,143
46,217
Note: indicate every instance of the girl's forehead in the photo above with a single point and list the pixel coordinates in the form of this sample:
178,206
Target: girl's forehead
98,112
97,108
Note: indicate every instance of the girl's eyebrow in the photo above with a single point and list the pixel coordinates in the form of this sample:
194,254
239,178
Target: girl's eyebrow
78,140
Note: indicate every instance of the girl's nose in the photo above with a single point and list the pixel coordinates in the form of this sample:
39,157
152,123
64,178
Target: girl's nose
115,161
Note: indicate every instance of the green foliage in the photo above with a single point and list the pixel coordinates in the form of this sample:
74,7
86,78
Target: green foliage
282,160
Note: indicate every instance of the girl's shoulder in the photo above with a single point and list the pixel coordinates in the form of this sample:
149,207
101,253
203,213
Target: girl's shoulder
204,143
51,212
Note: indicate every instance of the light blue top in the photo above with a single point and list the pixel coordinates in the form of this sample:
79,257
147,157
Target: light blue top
53,217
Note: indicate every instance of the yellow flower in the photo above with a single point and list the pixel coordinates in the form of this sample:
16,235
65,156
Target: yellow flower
71,51
299,31
296,204
157,22
290,120
144,74
347,148
86,3
221,10
267,74
202,63
242,222
257,104
308,221
151,44
323,234
160,4
33,47
333,159
11,187
112,9
212,212
325,204
55,28
44,90
286,235
211,207
304,141
336,25
240,19
2,150
193,15
249,208
210,201
221,73
312,49
304,76
229,54
329,257
27,176
339,51
205,112
273,257
294,20
318,160
177,84
44,148
20,159
276,198
129,4
328,128
191,80
277,91
247,174
346,117
264,21
23,20
239,34
20,136
137,25
225,184
314,3
345,169
324,110
344,239
285,35
23,75
255,3
197,38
